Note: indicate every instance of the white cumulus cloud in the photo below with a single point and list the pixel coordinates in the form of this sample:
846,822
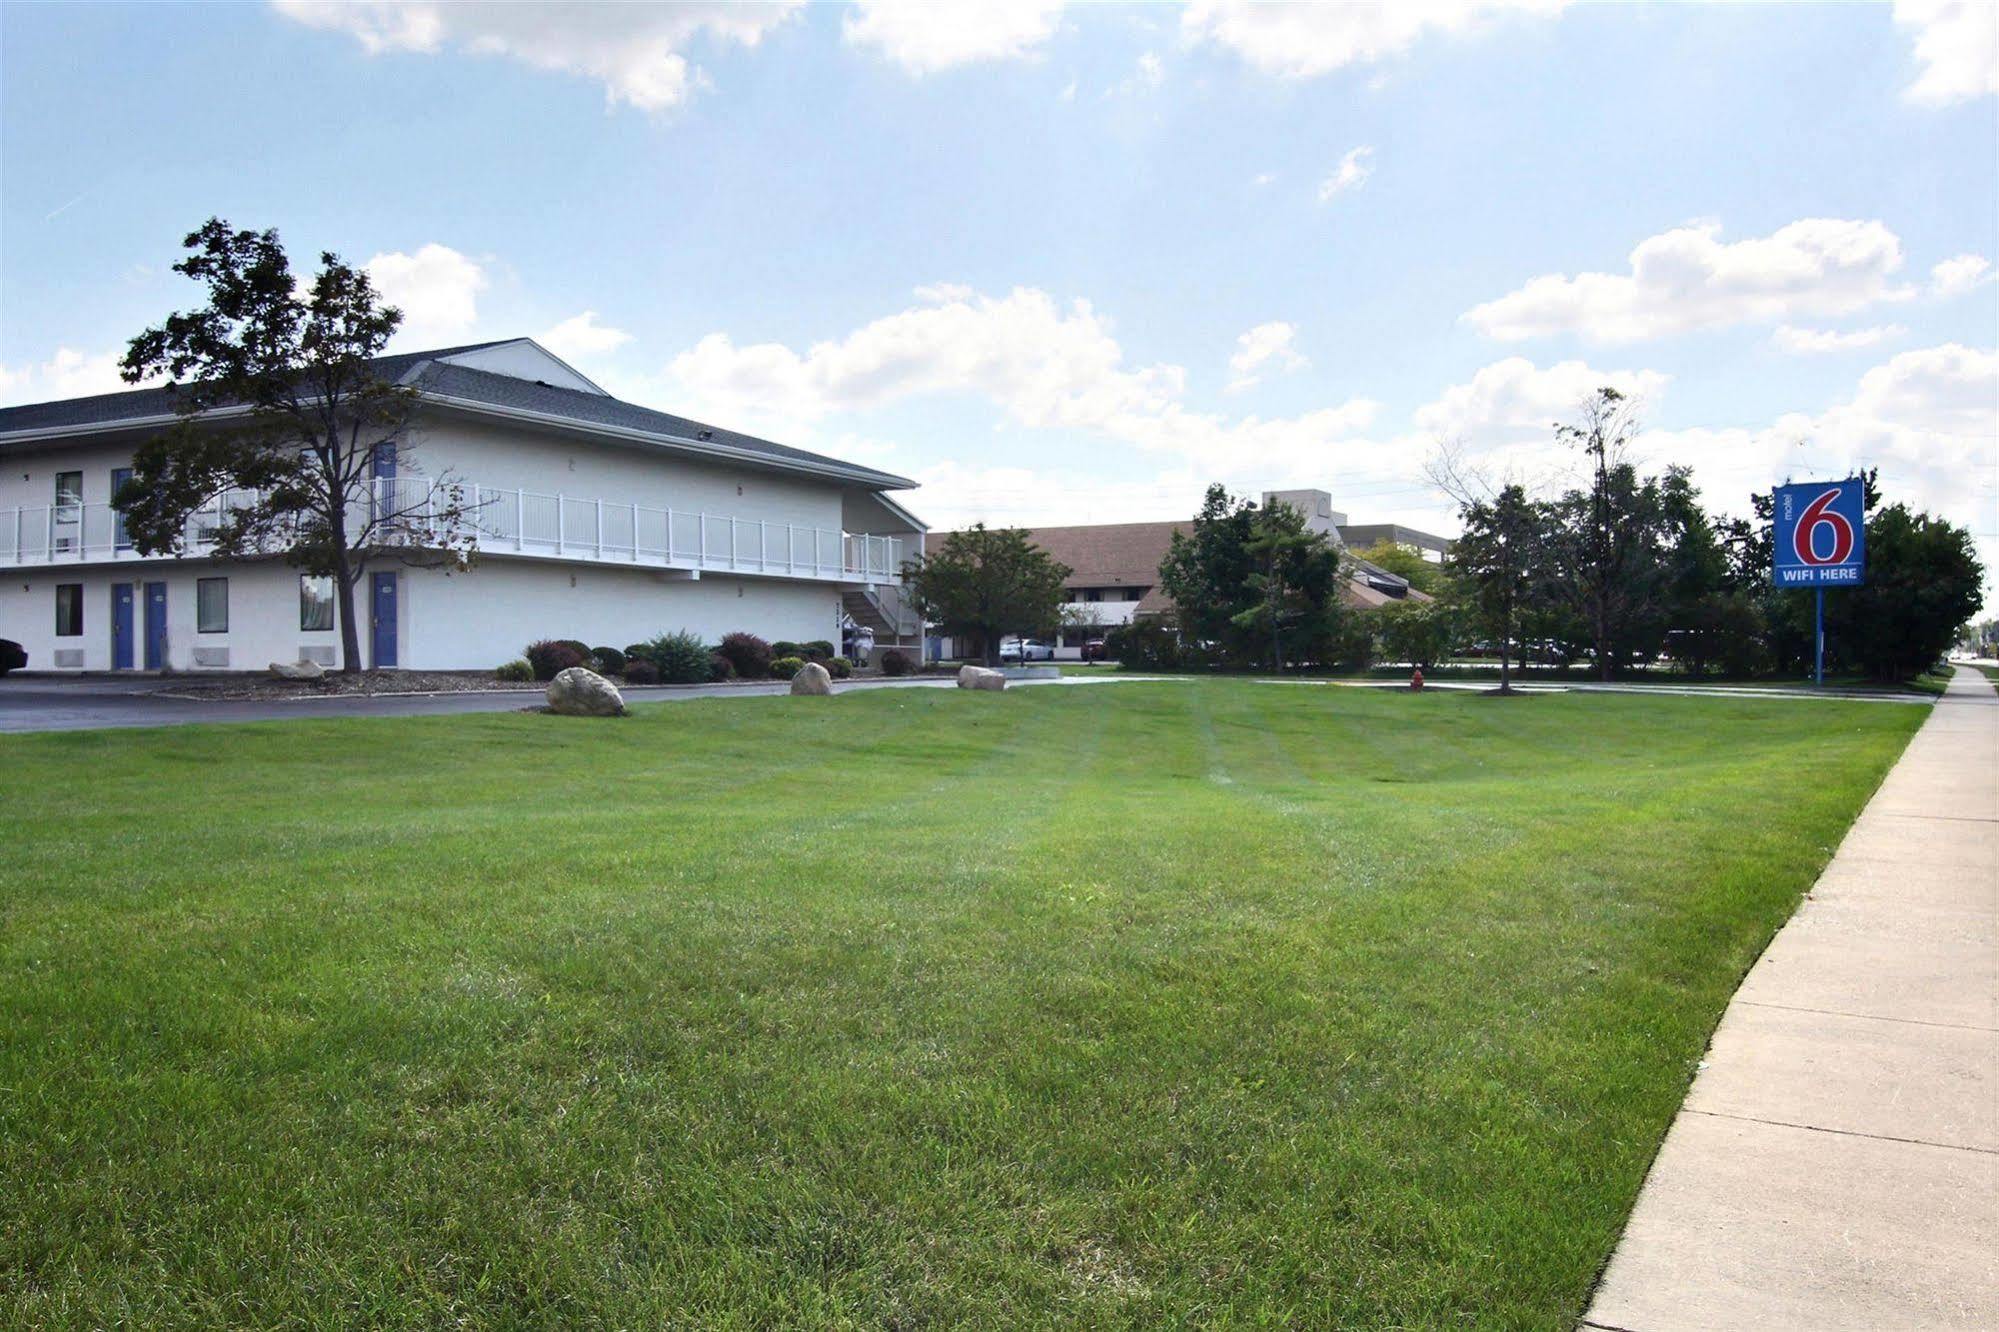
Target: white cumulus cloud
1811,341
1305,40
1515,400
67,374
1954,277
1265,346
1046,365
1350,174
1957,44
580,337
633,50
1689,278
924,37
437,289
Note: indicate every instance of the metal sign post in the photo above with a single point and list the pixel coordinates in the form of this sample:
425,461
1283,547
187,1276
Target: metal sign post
1820,540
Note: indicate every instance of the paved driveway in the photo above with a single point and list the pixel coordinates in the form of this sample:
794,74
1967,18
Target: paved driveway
69,703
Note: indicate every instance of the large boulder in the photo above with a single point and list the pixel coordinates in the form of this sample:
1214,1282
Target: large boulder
812,678
978,677
580,692
297,670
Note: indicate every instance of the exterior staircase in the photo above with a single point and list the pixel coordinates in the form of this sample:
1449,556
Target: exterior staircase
881,607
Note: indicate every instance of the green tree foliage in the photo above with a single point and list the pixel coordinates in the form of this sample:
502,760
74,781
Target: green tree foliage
1294,586
307,418
1421,633
1206,572
1603,547
1405,562
988,583
1254,585
1496,559
1923,581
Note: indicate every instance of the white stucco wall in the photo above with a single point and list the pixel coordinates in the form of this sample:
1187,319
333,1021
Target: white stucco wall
482,618
468,621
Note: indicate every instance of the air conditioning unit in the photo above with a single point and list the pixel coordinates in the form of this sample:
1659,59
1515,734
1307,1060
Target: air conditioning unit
212,658
318,653
69,659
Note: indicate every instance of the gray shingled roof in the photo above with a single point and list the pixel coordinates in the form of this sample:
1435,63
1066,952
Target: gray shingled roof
440,378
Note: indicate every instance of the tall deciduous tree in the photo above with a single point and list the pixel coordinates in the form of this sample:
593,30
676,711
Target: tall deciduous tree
988,583
282,425
1604,557
1495,560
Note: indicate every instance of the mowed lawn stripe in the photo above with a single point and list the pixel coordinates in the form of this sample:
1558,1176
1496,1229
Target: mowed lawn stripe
1106,1006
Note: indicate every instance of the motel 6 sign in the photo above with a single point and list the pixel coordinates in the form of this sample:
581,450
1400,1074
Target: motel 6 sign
1821,534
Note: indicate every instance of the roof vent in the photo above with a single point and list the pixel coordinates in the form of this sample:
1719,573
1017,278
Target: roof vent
706,434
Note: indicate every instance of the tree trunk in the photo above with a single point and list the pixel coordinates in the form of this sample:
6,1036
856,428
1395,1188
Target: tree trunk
344,578
1505,646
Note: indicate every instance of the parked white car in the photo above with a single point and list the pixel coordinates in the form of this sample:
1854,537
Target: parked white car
1017,650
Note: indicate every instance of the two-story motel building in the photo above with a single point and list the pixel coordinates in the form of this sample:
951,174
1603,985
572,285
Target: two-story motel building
594,519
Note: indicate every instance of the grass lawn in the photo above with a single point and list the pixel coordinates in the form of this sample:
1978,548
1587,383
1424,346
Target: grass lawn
1197,1002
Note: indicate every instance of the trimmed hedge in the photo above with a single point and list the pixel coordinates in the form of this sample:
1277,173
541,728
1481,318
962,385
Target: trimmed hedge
551,657
840,667
609,660
896,662
640,671
783,668
720,667
680,658
515,672
749,655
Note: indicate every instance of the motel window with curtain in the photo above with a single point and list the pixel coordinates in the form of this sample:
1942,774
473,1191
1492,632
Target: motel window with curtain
315,602
69,610
211,605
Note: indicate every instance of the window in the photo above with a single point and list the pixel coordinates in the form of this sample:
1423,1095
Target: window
69,495
69,610
1134,594
211,605
119,537
315,601
1093,594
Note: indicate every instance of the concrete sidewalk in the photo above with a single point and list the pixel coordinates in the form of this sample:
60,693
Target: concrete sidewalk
1836,1164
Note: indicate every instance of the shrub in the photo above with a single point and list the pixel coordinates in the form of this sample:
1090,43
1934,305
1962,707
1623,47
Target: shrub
549,658
819,650
840,667
749,654
13,657
639,671
784,647
896,662
680,658
783,668
609,660
515,672
1144,645
720,667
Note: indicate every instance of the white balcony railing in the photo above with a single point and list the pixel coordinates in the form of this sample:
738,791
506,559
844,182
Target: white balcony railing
519,522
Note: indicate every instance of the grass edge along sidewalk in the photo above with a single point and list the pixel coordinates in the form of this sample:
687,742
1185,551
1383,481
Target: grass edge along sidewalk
1836,1164
1199,1001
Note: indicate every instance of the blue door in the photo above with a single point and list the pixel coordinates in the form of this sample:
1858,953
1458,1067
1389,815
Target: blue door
121,626
156,626
382,467
119,540
382,611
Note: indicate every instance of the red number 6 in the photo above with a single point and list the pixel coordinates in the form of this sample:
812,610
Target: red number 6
1803,536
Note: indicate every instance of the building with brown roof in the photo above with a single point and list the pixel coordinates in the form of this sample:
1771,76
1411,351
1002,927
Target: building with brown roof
1114,569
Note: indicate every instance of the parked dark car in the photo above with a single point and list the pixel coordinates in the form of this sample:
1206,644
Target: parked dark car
13,657
1093,650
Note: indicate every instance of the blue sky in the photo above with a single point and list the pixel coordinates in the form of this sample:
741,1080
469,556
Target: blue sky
1070,264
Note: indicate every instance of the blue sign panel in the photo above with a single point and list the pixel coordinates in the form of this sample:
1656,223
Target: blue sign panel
1821,536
